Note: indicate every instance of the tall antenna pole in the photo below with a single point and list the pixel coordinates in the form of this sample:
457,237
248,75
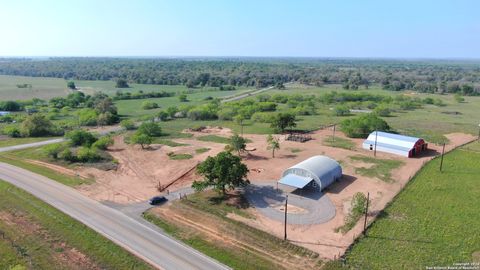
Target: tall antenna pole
366,213
441,160
285,227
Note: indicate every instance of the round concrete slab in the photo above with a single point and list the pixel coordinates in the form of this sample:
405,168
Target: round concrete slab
306,207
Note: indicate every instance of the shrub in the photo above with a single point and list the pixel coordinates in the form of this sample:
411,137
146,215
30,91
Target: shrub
148,105
382,110
363,125
127,124
81,137
53,150
12,131
151,129
86,154
341,110
142,139
103,143
87,117
163,116
37,125
67,155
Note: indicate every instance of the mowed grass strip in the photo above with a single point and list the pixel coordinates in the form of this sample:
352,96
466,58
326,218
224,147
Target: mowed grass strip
434,221
381,168
16,141
47,235
339,142
240,246
44,171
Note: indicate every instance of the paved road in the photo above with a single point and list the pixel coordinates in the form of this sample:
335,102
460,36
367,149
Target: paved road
265,197
143,241
249,94
28,145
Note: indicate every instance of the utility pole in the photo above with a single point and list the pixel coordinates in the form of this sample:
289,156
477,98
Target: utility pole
478,132
285,227
366,213
375,149
334,125
441,160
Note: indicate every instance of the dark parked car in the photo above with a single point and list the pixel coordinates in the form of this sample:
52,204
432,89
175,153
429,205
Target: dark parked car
157,200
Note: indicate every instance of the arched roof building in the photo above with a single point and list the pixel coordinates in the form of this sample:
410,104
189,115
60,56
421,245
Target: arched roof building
317,171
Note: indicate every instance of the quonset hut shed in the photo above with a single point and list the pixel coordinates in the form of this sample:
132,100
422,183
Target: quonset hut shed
394,143
317,172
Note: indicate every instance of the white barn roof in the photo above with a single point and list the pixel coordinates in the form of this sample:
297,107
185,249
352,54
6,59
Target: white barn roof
321,169
391,143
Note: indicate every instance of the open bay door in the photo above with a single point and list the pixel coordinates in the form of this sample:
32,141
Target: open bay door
295,181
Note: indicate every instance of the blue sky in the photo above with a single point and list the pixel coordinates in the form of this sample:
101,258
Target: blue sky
335,28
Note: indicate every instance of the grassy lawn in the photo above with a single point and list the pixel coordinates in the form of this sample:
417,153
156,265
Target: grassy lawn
202,150
434,221
248,248
173,156
159,140
17,158
214,138
37,236
16,141
381,168
339,142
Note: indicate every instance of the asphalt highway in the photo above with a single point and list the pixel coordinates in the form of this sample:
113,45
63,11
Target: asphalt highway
151,245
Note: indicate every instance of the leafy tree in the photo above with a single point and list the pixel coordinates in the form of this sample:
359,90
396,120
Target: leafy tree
148,105
141,138
458,98
163,116
121,83
363,125
239,118
11,106
282,121
53,150
127,124
87,117
37,125
71,85
151,129
80,137
87,154
341,110
222,172
237,143
103,143
273,143
183,98
12,131
172,111
383,110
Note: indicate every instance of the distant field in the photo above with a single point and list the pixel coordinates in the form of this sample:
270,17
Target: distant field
44,88
34,235
434,221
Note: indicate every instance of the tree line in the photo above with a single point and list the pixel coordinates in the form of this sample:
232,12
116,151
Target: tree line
431,76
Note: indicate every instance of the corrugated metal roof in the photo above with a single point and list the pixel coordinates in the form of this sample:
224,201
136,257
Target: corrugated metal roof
393,140
295,180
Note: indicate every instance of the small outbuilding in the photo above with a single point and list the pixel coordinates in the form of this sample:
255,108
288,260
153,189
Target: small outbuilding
395,144
317,172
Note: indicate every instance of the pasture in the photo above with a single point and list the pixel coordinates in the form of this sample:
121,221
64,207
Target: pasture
434,221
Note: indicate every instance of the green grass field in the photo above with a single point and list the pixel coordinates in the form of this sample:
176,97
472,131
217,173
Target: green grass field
434,221
17,158
7,141
35,235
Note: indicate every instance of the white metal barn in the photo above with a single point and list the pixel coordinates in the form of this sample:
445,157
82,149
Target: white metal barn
317,172
394,143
